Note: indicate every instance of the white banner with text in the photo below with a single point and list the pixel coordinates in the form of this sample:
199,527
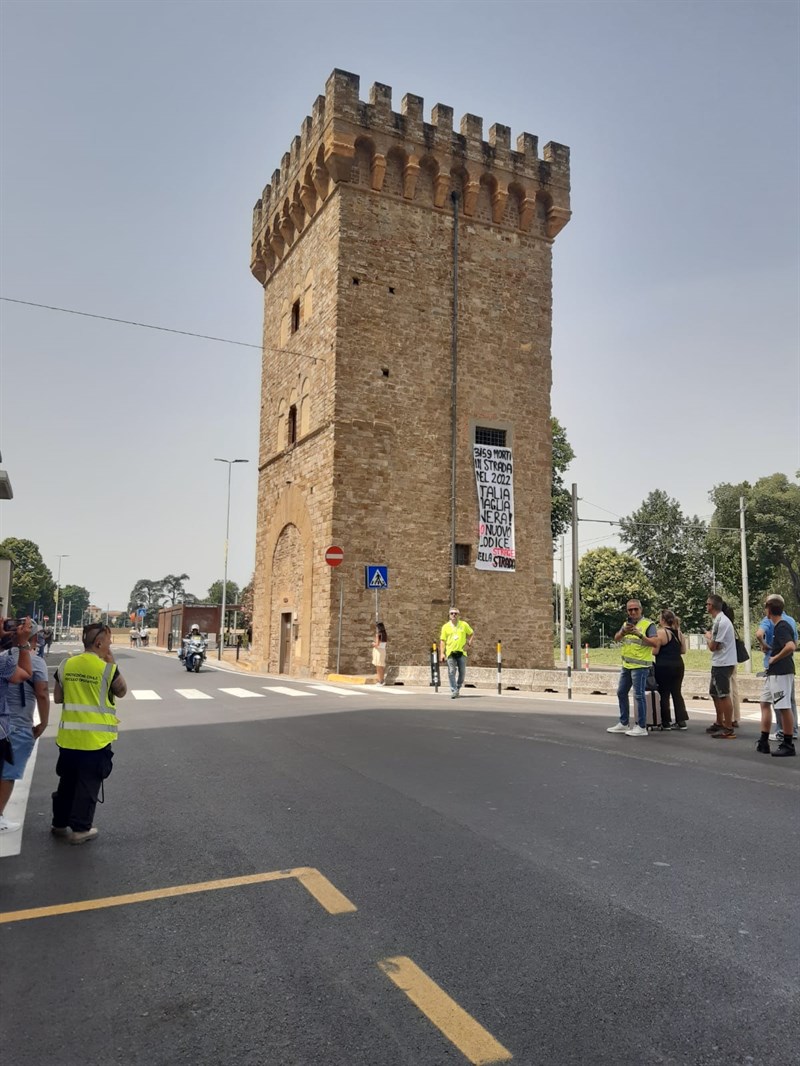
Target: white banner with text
494,475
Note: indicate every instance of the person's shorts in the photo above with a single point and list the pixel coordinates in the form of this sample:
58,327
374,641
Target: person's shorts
22,745
721,681
777,690
379,656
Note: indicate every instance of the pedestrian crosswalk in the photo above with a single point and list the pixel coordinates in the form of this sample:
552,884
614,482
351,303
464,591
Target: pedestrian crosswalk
262,692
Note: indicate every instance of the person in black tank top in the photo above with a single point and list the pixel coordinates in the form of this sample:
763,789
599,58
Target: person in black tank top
669,669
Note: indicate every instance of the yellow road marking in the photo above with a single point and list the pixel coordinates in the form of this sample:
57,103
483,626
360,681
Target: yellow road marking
312,880
323,891
460,1028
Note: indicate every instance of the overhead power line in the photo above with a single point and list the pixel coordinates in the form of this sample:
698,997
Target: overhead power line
129,322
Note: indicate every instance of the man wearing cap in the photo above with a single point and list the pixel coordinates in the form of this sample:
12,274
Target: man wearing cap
764,634
456,636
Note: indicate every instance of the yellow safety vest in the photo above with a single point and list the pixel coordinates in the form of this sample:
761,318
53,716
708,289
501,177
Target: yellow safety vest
88,721
636,656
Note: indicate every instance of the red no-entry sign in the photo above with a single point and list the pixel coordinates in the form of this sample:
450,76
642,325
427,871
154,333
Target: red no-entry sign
334,555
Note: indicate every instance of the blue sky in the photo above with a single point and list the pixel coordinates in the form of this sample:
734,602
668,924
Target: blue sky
136,138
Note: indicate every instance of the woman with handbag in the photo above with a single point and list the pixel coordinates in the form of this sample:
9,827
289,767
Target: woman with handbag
669,669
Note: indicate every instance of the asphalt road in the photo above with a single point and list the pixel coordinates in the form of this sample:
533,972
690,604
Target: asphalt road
582,897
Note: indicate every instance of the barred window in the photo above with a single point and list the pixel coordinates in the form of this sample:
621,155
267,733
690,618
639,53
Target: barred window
494,437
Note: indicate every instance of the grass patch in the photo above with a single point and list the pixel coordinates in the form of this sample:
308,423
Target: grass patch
694,660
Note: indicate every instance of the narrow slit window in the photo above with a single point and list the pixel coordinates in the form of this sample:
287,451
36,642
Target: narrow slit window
462,554
295,316
291,437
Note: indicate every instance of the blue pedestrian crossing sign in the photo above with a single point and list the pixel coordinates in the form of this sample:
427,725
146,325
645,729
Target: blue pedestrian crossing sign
376,577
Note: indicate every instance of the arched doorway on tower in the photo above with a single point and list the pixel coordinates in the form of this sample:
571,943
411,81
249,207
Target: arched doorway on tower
286,599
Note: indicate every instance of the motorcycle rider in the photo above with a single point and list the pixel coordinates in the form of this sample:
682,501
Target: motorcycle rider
193,634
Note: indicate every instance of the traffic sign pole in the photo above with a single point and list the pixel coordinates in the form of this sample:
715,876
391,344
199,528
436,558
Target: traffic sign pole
334,556
339,636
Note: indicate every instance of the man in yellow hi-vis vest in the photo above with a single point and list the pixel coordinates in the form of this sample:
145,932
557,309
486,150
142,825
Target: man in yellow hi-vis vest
86,685
638,636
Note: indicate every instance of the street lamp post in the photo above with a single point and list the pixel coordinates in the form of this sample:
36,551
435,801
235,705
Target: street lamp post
230,463
58,589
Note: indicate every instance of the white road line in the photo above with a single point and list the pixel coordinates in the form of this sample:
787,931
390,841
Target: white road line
339,691
284,691
193,694
144,694
11,843
242,693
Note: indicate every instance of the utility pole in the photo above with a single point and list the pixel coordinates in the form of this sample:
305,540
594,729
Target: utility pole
745,586
576,591
562,605
221,639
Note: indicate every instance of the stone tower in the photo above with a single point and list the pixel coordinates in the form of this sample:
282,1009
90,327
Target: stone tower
405,399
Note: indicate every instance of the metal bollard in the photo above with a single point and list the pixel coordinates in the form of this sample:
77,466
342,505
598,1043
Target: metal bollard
569,671
499,666
435,680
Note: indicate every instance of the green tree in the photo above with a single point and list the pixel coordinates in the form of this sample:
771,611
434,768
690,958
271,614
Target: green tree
246,600
32,583
608,580
78,596
673,550
173,588
149,595
231,593
560,496
772,524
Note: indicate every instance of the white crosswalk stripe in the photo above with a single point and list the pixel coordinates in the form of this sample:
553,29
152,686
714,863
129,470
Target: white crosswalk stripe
194,694
284,691
144,694
243,693
339,691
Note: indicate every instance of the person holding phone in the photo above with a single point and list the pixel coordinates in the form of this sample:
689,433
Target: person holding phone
638,636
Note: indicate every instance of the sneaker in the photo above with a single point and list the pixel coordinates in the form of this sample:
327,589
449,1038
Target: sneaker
9,827
83,836
453,695
60,830
783,751
735,725
715,728
779,736
763,747
666,726
620,727
681,725
635,731
724,734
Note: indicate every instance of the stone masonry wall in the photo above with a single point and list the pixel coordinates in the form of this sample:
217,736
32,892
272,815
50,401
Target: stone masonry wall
392,445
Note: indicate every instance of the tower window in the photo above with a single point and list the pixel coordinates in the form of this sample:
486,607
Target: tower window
494,437
462,554
355,281
291,435
295,316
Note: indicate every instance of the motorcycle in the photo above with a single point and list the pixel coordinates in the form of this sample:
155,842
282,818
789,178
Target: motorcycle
193,655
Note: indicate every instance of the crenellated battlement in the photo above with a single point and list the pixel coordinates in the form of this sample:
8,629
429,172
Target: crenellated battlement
346,139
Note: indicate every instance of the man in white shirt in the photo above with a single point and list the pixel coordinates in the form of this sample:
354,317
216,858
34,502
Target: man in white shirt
721,641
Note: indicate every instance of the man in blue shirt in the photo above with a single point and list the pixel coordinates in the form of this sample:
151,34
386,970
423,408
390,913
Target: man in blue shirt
21,701
15,667
764,635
